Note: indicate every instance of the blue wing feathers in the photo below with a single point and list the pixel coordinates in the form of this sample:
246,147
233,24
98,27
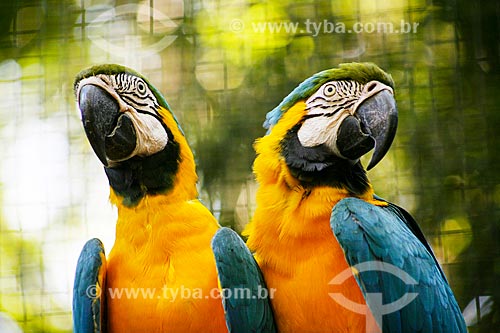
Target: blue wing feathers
413,226
238,270
87,308
427,324
390,235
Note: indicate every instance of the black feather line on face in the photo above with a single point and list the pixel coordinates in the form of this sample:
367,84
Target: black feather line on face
318,166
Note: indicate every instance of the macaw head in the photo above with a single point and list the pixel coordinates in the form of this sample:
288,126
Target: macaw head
134,134
326,124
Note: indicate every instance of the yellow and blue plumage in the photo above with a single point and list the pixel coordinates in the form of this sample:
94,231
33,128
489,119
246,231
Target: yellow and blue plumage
317,216
169,253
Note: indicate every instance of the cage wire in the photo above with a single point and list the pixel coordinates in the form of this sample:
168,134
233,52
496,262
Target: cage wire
222,65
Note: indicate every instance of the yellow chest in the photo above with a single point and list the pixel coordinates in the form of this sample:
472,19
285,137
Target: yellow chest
299,256
161,272
301,299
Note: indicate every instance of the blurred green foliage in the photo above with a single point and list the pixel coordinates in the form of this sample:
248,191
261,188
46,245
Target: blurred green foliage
221,76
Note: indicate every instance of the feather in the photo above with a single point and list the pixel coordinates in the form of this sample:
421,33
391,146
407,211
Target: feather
396,244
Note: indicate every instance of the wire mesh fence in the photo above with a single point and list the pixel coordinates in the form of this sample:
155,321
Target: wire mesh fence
222,65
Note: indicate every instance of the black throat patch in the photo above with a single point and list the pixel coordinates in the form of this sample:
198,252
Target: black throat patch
317,166
138,176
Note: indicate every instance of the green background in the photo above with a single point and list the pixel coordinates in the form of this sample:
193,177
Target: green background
221,75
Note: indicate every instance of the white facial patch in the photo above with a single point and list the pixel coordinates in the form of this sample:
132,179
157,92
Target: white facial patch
327,108
139,103
321,130
103,82
151,136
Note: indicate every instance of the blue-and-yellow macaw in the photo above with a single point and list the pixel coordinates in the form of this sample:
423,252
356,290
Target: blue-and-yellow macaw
170,256
340,258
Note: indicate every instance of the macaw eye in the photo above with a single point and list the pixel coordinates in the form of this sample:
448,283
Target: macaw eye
329,90
141,88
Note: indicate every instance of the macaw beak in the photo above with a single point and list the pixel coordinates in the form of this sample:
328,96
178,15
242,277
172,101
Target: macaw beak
373,125
111,133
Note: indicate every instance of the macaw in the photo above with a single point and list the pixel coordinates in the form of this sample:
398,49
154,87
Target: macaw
339,258
172,268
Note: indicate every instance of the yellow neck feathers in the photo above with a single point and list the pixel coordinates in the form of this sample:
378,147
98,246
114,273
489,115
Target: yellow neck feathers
185,179
288,213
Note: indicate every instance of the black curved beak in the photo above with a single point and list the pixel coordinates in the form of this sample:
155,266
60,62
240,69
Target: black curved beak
111,133
373,125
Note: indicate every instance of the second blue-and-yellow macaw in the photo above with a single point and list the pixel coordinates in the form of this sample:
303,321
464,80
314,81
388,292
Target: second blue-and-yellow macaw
170,256
339,258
